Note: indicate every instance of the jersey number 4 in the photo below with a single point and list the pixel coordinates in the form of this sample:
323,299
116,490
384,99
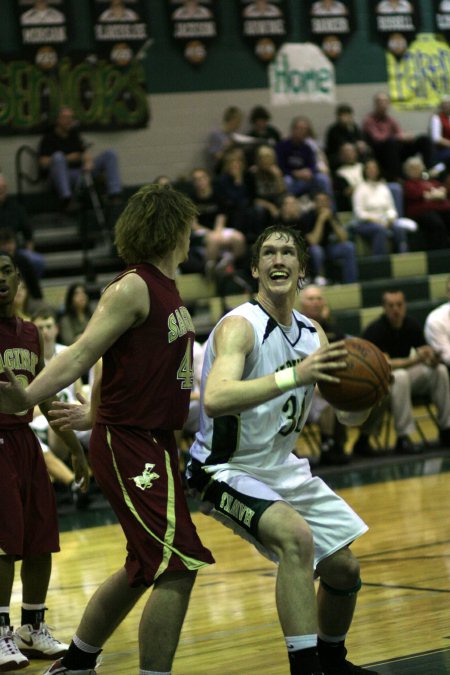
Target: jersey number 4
185,372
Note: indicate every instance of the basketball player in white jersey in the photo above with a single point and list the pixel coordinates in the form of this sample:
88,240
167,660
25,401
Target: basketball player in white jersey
261,363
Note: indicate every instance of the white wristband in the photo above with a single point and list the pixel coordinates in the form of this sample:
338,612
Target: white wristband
285,379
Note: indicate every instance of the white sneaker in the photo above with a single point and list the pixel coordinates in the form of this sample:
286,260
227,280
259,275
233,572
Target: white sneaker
57,669
321,281
38,642
11,658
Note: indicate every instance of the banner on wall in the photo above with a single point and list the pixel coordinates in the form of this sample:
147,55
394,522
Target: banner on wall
331,23
300,73
120,30
264,26
43,31
396,23
422,76
442,17
102,95
194,26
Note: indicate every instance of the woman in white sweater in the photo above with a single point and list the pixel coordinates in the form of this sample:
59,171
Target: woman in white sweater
376,217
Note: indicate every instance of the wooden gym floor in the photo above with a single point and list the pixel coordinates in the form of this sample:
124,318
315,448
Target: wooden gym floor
401,624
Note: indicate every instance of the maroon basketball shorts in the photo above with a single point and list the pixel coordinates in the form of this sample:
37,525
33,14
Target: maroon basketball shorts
138,472
29,522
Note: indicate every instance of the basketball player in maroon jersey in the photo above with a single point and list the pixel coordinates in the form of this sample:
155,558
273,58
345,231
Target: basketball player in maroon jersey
145,336
29,525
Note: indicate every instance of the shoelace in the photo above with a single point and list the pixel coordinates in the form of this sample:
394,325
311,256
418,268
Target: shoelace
8,645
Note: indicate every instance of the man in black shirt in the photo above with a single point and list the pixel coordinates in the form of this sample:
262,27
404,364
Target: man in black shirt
344,130
64,156
416,370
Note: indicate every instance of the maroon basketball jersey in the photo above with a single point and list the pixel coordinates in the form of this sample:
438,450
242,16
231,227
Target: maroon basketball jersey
20,351
147,373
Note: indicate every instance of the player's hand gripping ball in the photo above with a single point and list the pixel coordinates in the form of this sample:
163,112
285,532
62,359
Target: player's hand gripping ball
363,383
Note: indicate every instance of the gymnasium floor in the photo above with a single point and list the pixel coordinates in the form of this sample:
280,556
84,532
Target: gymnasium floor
402,622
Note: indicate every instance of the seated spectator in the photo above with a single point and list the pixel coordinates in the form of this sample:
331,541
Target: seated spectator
440,135
64,158
321,159
225,138
219,242
297,161
333,434
427,203
13,216
350,173
261,131
266,181
376,218
390,144
54,449
327,240
23,304
237,192
76,314
437,329
344,130
8,243
292,209
415,369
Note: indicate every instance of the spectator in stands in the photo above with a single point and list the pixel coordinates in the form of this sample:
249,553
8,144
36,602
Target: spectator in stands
23,304
390,144
221,244
350,173
266,182
260,127
376,218
225,138
415,369
52,445
64,157
437,329
235,188
8,243
297,160
426,201
14,217
328,241
344,130
333,434
76,313
440,135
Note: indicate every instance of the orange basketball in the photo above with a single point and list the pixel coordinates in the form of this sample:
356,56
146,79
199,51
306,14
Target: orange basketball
363,383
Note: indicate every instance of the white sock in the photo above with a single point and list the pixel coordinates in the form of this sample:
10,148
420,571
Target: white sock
296,642
89,649
27,605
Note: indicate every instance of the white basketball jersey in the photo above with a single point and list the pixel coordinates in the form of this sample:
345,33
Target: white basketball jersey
265,435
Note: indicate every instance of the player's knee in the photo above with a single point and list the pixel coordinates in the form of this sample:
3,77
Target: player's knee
340,571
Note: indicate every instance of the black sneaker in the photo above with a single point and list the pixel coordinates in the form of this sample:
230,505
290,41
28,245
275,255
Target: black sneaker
362,447
444,438
80,499
404,446
334,662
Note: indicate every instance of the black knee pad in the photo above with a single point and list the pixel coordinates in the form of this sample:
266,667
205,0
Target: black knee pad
342,592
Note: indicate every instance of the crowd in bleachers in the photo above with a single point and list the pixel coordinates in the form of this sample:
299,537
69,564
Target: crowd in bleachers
371,181
384,185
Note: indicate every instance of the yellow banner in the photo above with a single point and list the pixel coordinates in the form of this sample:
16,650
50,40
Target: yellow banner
420,78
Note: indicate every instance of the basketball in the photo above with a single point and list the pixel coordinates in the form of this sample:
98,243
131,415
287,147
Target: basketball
363,383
